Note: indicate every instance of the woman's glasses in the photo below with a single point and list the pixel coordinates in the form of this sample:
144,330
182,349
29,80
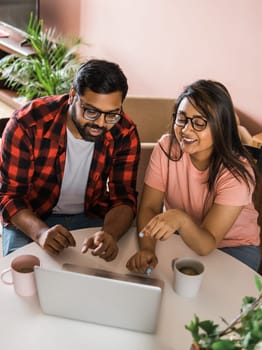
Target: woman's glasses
198,123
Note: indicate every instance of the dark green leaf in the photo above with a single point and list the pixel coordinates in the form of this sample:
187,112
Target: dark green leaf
224,344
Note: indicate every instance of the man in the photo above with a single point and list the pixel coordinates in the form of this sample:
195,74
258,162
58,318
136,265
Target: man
70,162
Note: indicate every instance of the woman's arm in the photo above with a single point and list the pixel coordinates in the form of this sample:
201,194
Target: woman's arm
201,238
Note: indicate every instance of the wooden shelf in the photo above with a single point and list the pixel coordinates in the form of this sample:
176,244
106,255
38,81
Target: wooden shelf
12,43
10,98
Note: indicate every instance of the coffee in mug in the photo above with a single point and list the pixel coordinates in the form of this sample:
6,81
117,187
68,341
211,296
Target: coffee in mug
22,275
188,275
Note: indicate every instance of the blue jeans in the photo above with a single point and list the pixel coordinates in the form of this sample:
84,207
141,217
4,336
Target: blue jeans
248,254
13,238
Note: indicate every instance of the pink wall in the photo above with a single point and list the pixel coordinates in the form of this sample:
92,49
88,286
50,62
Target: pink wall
164,45
64,15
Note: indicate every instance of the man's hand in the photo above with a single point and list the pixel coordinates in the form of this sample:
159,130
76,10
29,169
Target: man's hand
56,239
102,244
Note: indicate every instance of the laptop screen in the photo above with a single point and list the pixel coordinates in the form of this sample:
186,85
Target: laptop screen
99,296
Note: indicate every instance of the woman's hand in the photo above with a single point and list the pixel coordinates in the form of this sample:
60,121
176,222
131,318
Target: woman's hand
163,225
142,261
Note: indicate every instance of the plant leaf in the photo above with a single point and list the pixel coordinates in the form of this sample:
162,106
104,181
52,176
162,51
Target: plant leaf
224,344
47,72
258,282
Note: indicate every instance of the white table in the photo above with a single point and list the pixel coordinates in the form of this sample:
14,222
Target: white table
23,326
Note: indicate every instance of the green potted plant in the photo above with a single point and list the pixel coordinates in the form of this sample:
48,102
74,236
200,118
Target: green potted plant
243,333
47,72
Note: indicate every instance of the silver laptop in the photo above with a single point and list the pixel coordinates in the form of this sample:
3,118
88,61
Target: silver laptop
99,296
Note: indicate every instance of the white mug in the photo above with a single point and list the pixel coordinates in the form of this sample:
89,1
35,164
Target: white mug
22,274
188,275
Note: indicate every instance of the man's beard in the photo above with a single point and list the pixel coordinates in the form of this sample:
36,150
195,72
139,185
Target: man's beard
83,129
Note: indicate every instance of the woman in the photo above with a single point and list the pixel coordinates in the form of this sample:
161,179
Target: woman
205,180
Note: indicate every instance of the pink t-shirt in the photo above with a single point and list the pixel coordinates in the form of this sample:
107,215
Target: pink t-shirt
186,189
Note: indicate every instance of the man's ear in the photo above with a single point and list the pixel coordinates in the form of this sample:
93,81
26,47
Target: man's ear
72,94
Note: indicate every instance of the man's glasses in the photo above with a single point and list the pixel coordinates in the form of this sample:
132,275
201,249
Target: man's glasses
198,123
93,114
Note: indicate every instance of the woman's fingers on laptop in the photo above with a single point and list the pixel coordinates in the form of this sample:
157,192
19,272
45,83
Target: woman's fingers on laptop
134,263
144,261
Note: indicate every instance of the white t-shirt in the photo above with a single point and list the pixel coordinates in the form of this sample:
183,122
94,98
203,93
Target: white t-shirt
79,155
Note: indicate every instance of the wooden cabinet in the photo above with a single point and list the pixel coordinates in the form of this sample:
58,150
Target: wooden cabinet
10,43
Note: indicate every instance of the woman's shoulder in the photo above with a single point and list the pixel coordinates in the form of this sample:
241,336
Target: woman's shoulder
226,175
165,139
164,144
245,162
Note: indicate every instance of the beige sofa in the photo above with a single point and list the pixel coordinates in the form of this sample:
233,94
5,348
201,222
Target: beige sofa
152,117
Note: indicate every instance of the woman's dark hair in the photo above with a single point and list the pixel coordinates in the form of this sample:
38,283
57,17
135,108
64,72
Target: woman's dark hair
212,100
101,77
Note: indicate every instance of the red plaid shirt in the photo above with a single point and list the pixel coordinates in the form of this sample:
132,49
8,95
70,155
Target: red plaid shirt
33,158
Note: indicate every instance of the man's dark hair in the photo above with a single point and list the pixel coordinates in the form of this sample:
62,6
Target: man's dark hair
101,77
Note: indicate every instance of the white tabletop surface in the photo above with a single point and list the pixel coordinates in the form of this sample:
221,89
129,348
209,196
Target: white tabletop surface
23,326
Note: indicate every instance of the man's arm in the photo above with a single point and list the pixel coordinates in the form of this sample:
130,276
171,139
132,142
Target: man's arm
53,239
118,220
104,242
